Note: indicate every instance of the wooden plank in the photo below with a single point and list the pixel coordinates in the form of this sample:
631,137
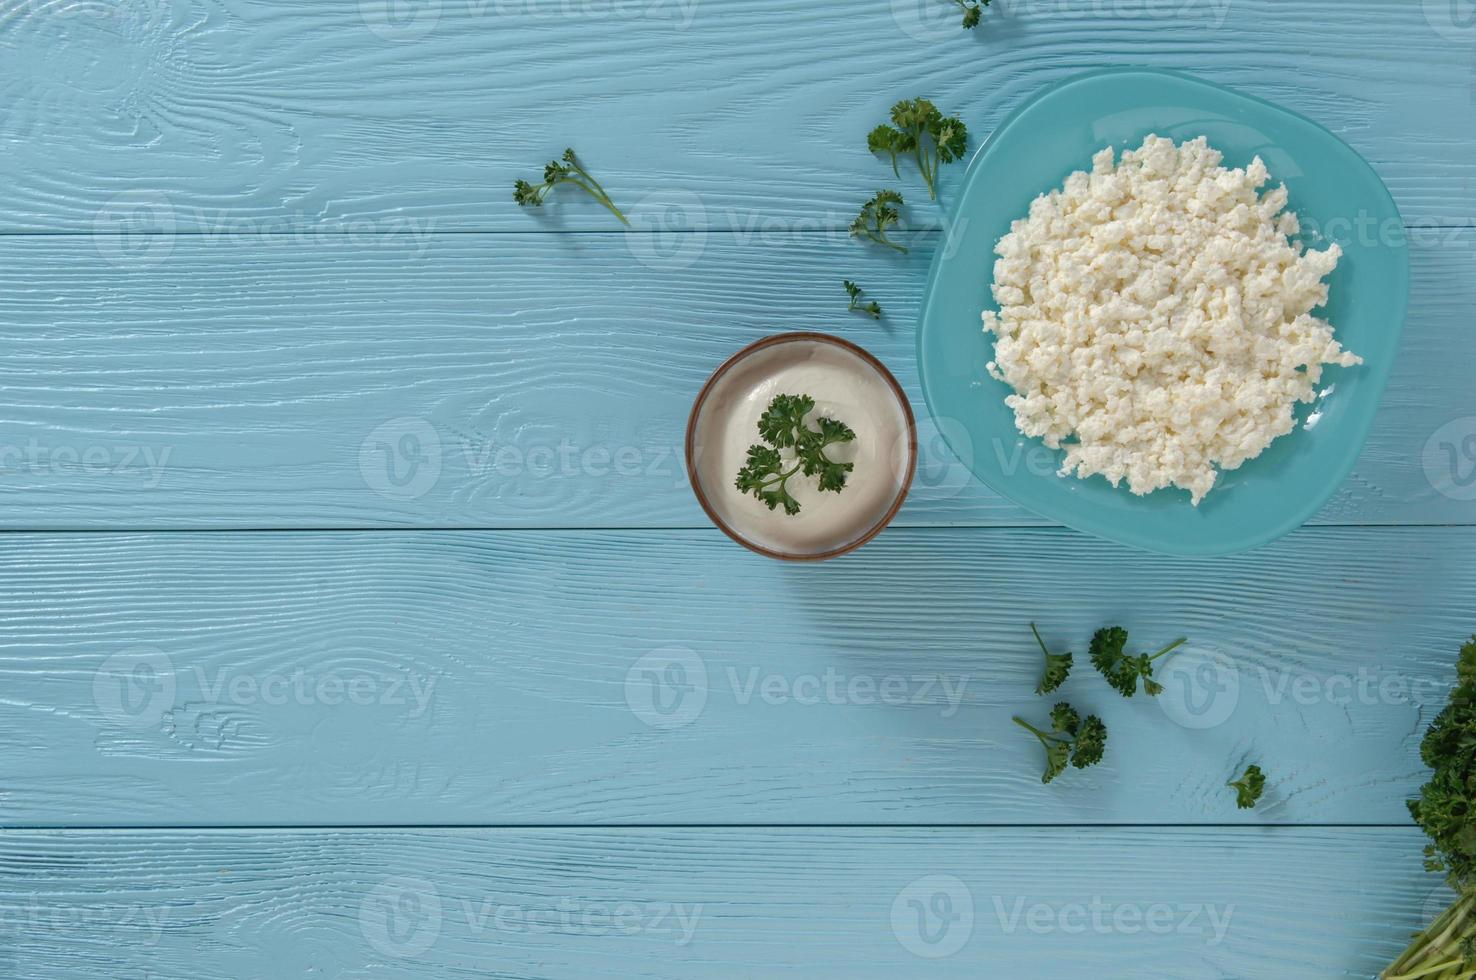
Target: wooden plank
270,382
1038,903
250,116
669,677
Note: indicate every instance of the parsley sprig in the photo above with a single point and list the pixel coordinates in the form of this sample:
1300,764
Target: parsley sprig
1123,669
1446,812
1057,666
1072,739
920,130
1248,788
972,11
767,472
877,215
569,171
872,309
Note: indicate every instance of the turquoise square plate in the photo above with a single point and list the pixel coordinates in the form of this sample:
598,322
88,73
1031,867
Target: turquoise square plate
1338,197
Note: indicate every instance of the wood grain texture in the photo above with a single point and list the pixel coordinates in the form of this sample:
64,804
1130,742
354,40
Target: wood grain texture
270,382
1039,904
254,115
669,677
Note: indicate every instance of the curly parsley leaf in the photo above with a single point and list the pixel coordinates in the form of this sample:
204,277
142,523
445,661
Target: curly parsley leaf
1123,670
1446,812
894,143
918,129
1248,788
1057,666
1065,718
877,215
856,306
783,421
1091,743
764,476
566,171
1446,808
812,454
1072,740
972,11
783,426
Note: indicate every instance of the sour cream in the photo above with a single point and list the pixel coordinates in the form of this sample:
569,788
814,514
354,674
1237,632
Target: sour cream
847,386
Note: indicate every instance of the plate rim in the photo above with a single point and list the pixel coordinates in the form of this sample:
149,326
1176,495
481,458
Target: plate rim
1193,547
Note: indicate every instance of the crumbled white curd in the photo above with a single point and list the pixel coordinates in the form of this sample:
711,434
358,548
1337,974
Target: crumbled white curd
1155,317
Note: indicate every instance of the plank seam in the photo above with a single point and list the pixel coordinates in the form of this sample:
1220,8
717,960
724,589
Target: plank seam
817,232
634,528
398,828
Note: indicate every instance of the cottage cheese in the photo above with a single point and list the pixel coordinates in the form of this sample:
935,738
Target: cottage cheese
1155,317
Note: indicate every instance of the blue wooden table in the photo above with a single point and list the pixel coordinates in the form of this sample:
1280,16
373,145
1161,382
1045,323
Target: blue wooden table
358,620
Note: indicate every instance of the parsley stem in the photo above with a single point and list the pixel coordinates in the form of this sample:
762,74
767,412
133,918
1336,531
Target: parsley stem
780,478
594,190
1043,736
1177,643
1039,640
883,241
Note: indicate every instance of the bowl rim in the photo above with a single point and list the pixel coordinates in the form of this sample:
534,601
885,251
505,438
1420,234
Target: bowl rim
794,337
